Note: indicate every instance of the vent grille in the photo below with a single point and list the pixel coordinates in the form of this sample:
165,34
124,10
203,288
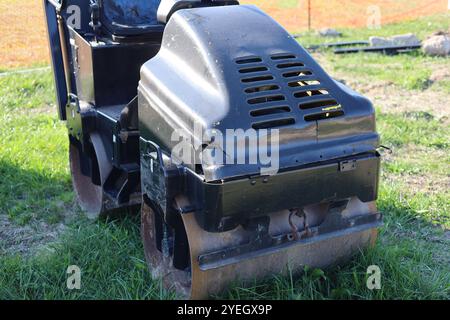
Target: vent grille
264,98
274,87
311,95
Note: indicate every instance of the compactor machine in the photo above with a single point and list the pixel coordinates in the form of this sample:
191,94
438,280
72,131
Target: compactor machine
244,156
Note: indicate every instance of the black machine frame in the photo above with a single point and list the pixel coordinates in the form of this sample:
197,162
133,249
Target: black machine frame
92,100
97,72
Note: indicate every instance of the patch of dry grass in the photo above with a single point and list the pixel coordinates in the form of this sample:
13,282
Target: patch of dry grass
23,37
26,240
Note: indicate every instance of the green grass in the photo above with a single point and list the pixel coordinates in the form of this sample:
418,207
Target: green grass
109,255
33,154
413,250
409,71
26,91
401,129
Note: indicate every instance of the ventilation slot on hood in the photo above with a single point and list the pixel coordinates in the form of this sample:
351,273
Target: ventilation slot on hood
324,115
265,99
269,111
262,88
283,56
297,73
303,83
253,69
273,123
322,103
309,92
257,79
326,109
290,65
249,60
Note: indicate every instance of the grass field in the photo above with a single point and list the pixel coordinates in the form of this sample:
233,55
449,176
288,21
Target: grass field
42,231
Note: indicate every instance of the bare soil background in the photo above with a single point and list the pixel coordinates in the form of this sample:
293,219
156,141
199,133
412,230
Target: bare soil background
23,35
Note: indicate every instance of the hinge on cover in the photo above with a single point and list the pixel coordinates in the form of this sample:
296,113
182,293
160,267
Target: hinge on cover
95,23
381,147
347,165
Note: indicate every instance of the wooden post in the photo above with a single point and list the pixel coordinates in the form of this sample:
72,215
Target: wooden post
309,15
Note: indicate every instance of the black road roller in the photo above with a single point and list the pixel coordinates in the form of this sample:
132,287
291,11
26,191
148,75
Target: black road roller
244,157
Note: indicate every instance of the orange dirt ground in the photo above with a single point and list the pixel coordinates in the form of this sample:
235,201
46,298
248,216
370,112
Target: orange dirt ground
23,34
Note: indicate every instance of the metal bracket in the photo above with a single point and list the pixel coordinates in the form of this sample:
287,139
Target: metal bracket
57,4
347,165
95,23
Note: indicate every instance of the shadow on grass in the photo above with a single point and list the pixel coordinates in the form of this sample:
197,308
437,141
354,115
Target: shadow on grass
109,251
28,194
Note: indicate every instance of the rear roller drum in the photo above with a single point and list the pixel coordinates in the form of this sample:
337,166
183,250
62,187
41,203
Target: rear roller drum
90,194
198,281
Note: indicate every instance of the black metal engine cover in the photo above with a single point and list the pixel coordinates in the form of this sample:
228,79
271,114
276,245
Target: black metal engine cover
234,67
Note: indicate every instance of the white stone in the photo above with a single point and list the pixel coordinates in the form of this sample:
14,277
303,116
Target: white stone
437,45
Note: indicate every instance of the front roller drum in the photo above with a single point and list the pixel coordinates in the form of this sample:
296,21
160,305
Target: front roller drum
201,281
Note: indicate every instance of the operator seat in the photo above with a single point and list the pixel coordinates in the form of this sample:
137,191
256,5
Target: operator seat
131,20
138,20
